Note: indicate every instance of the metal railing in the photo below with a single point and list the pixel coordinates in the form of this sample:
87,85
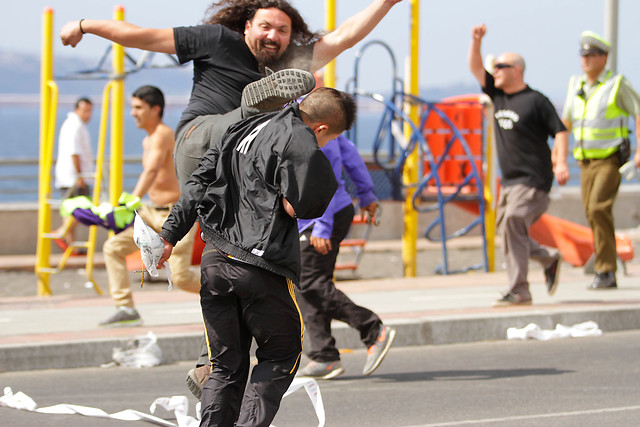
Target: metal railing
26,182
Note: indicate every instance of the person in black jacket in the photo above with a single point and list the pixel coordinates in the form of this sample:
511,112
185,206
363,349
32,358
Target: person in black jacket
247,193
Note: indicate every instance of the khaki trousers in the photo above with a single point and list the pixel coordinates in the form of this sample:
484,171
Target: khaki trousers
519,206
120,245
599,182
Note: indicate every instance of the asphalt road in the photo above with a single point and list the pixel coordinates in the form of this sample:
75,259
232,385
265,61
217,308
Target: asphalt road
569,382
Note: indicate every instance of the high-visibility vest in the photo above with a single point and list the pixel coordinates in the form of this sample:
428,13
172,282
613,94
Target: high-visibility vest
599,126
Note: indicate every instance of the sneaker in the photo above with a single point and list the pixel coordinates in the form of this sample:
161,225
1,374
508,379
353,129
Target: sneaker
322,370
275,90
379,350
552,274
196,379
606,280
123,317
511,299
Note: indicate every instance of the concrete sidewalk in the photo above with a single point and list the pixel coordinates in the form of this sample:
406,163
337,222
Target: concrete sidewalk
61,331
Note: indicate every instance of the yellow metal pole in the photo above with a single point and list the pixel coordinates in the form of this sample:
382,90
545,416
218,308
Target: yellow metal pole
410,172
43,249
490,189
330,25
102,144
117,117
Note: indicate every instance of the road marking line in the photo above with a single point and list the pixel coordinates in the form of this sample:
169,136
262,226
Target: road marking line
532,417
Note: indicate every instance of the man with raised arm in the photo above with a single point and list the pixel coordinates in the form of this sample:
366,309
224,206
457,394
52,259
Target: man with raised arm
525,119
231,52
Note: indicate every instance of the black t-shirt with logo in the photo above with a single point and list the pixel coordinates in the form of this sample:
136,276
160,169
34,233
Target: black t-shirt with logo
222,66
524,122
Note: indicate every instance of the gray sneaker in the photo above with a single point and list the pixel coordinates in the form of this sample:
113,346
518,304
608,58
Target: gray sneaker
379,350
122,317
272,92
197,378
322,370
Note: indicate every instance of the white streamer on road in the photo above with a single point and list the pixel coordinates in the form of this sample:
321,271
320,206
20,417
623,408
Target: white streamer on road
178,404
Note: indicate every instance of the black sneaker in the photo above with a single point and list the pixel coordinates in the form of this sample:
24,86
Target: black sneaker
606,280
272,92
552,274
121,318
511,300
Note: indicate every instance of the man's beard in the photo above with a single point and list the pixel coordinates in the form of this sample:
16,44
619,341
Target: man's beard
269,59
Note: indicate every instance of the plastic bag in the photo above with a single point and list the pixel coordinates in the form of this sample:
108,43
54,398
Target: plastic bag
151,247
142,352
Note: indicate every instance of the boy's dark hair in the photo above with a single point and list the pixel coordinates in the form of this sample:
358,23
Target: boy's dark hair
152,96
327,105
84,99
234,14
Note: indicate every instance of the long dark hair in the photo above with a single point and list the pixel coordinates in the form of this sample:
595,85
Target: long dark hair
234,14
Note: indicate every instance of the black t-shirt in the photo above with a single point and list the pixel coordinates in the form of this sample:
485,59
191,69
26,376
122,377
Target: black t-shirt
222,66
524,122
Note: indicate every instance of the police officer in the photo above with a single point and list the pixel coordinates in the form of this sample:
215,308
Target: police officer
598,105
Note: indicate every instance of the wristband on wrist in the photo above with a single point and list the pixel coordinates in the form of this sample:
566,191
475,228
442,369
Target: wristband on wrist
80,25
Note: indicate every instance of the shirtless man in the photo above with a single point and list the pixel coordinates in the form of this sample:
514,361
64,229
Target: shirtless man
158,181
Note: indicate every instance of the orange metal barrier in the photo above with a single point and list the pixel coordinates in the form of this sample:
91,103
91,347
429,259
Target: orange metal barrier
454,163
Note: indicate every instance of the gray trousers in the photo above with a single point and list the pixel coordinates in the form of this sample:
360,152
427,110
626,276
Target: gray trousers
519,206
195,138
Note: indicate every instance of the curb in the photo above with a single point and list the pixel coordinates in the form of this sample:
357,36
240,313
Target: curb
410,332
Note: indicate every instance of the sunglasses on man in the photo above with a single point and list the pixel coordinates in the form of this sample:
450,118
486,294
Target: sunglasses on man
502,66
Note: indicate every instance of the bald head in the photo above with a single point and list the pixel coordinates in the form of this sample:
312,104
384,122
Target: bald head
508,72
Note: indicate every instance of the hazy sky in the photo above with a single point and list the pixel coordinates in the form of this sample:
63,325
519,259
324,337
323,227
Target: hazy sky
545,32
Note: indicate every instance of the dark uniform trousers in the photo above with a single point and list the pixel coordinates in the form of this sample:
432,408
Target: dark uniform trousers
321,302
240,301
599,182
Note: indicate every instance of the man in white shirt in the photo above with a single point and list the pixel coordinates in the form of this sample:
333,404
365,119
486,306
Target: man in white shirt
75,160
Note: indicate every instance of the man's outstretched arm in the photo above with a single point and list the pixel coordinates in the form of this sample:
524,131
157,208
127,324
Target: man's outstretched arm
349,32
124,33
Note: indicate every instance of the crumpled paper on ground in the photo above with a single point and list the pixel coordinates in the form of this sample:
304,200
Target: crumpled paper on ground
151,247
533,331
141,352
178,404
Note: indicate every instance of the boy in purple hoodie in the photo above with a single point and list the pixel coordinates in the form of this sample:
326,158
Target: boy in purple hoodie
319,300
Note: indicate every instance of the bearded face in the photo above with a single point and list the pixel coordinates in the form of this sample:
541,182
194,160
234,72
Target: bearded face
268,35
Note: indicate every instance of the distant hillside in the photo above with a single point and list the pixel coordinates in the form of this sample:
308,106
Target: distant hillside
20,74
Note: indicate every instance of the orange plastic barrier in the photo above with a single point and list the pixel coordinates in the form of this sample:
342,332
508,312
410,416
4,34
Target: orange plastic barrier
574,241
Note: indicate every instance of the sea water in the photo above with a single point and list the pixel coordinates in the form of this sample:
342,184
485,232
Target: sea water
19,140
